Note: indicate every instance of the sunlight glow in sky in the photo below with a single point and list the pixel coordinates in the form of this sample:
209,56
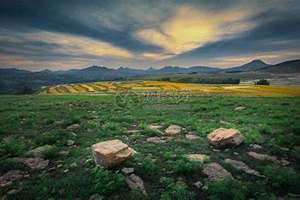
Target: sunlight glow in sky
44,34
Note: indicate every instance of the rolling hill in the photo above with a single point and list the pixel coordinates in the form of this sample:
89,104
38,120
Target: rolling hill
16,81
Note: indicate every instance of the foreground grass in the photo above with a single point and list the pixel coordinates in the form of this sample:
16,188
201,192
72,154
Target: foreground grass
30,121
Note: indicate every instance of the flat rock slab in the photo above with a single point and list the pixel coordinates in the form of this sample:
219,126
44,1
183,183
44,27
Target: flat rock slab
222,137
127,170
11,176
111,153
135,182
266,157
239,165
173,130
158,140
33,163
197,157
215,172
155,127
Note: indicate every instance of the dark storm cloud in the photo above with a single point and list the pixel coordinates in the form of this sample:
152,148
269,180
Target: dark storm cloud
116,22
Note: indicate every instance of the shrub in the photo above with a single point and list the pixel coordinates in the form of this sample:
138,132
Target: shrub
283,179
10,164
12,147
227,189
51,153
184,166
149,166
175,191
107,182
262,82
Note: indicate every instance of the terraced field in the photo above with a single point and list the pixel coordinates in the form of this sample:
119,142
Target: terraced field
163,86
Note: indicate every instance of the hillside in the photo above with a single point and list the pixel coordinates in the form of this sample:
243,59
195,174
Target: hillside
17,81
292,66
251,66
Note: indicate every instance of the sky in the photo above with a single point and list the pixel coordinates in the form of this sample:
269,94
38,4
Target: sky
68,34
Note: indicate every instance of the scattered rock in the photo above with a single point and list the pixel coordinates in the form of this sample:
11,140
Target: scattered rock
173,130
111,153
197,157
236,153
239,165
215,172
73,165
224,122
266,157
33,163
11,176
63,153
70,142
135,182
157,140
132,131
239,108
198,184
73,127
40,151
96,197
262,157
223,137
255,146
155,127
192,137
127,170
13,191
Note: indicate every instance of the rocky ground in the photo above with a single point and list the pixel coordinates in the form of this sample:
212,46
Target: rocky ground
85,147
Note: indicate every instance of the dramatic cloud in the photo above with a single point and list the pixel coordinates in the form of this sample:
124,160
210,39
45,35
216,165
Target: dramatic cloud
38,34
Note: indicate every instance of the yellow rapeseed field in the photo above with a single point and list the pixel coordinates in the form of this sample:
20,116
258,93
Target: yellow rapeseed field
164,86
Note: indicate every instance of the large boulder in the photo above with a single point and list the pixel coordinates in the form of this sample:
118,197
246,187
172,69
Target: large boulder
225,137
111,153
215,172
173,130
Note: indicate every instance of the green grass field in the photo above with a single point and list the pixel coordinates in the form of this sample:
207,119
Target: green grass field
27,122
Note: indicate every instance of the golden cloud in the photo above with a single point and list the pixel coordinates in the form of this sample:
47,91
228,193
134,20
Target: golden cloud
190,28
78,45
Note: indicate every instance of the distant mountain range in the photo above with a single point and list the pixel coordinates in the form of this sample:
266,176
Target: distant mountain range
15,80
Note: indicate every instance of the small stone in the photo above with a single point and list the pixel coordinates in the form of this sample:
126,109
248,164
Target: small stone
66,170
225,137
192,137
197,157
156,140
215,172
127,170
239,165
255,146
224,122
96,197
173,130
59,165
135,182
13,191
70,142
73,165
73,127
198,184
63,153
239,108
155,127
236,153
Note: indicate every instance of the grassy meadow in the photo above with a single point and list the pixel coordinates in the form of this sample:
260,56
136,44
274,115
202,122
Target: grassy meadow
30,121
